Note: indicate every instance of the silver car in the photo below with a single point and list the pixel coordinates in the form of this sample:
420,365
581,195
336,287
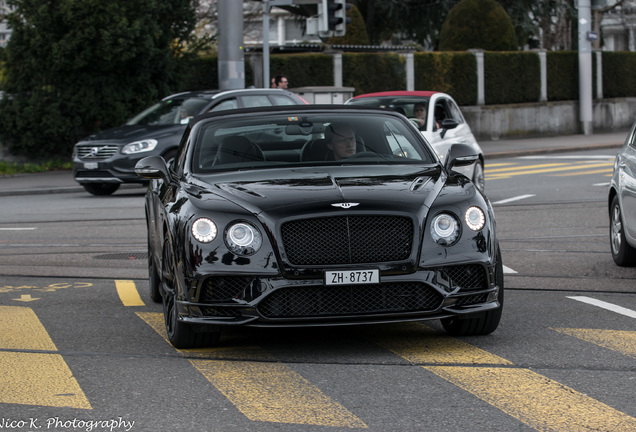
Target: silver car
622,203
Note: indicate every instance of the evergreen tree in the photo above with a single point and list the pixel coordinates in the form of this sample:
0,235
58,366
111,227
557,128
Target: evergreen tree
478,24
75,66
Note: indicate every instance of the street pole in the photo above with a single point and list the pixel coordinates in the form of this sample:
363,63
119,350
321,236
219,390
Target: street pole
266,79
231,61
585,66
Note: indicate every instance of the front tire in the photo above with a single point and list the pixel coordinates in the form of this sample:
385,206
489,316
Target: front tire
623,254
180,334
483,323
100,189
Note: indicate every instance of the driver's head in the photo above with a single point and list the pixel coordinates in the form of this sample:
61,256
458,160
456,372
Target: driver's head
341,140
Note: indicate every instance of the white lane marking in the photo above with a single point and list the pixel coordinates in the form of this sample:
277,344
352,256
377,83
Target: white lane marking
605,305
508,270
602,184
18,229
517,198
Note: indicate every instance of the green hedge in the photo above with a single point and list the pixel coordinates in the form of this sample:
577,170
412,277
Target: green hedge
452,73
510,77
619,79
372,72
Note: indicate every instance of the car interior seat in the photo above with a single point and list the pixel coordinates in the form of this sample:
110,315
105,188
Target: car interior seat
238,149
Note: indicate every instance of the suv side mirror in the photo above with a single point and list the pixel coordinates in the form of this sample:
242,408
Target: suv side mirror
460,155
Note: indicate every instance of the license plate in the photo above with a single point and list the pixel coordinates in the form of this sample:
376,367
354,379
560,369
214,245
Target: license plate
90,165
352,277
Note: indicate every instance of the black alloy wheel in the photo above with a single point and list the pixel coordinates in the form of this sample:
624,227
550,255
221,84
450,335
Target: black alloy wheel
180,334
623,254
483,323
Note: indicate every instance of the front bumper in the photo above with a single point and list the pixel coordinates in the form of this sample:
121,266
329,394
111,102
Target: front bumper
119,170
251,300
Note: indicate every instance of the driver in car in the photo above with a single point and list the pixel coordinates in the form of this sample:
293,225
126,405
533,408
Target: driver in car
341,140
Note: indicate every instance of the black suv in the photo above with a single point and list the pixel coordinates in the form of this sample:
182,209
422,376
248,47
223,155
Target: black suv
105,160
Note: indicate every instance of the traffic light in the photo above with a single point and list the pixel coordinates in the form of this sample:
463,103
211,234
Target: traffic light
331,19
337,16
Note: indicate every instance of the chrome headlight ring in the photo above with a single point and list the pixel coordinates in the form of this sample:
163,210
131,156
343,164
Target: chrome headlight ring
243,238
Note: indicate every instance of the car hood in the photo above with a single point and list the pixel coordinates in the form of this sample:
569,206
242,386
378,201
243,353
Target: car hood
130,133
285,193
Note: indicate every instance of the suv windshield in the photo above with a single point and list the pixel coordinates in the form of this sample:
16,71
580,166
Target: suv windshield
169,112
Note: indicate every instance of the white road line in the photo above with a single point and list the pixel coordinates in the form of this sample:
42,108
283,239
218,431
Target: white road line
508,270
602,184
605,305
517,198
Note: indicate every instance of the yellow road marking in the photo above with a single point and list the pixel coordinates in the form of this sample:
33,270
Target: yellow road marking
128,293
535,400
39,379
617,340
21,329
600,171
419,343
263,390
272,392
33,378
525,170
525,167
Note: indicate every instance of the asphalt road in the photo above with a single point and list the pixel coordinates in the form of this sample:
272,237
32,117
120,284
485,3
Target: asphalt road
82,345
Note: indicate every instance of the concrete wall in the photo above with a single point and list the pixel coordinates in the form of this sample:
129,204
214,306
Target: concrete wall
493,122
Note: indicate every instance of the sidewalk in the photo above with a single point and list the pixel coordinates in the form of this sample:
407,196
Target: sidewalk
63,182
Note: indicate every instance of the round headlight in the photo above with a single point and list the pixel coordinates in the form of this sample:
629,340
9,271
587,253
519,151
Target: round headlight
475,218
204,230
445,229
243,239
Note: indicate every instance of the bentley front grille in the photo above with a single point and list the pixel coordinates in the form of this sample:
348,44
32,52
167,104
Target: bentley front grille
322,301
347,240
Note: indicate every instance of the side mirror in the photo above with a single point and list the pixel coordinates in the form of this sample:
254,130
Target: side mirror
152,167
460,155
447,124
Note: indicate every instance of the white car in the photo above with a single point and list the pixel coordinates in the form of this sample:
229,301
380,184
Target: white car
442,123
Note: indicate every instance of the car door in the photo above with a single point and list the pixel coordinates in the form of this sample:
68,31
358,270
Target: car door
627,183
443,107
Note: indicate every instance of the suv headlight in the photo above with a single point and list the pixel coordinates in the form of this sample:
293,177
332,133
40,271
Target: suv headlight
139,146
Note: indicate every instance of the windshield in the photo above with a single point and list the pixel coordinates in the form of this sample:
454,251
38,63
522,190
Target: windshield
404,105
169,112
275,141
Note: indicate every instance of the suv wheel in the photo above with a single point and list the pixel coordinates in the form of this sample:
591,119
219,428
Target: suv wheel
101,189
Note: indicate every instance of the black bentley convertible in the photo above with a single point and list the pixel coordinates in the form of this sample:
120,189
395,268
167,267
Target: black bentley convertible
314,216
